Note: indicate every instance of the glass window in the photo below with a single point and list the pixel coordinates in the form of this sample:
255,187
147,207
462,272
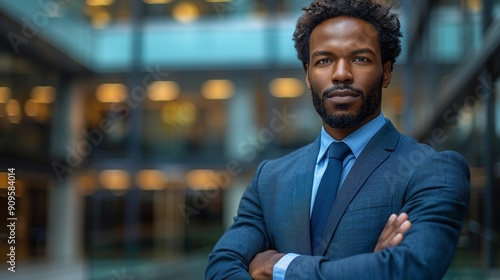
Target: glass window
191,122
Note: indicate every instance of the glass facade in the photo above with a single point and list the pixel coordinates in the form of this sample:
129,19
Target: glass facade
454,58
135,126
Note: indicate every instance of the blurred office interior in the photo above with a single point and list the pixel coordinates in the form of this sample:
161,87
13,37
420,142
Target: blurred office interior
134,126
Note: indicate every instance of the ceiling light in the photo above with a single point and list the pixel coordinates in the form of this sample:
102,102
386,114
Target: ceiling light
163,91
186,12
31,108
157,1
217,89
4,94
111,93
204,179
151,179
13,110
43,94
99,2
286,88
114,179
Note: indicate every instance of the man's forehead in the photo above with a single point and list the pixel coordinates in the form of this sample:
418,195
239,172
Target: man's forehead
343,30
345,24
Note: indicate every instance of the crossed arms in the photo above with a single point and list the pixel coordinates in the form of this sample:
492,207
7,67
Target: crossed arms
261,267
435,196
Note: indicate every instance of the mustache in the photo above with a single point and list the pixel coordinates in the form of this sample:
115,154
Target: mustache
340,87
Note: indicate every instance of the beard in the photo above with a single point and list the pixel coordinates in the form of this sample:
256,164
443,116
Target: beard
370,104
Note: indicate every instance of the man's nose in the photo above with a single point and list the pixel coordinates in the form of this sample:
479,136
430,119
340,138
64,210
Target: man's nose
342,73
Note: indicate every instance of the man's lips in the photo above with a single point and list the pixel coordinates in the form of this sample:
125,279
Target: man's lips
342,96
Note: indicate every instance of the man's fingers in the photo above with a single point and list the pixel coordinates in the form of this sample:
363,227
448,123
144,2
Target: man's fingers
392,225
396,240
389,227
402,217
393,232
405,226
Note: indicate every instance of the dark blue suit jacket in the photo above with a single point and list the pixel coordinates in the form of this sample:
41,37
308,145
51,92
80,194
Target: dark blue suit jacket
393,174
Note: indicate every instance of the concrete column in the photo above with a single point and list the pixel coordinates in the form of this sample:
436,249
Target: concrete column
68,150
64,223
241,123
232,197
242,128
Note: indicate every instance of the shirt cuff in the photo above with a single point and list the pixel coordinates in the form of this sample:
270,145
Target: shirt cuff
280,267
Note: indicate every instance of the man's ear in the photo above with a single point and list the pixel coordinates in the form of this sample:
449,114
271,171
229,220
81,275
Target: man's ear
308,82
387,74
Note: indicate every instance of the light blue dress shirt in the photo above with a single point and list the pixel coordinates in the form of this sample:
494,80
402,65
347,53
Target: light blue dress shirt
357,142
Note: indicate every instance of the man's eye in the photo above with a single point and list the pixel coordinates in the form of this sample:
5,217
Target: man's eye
361,59
324,61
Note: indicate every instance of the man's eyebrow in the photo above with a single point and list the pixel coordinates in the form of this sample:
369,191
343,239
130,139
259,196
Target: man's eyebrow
362,51
354,52
321,53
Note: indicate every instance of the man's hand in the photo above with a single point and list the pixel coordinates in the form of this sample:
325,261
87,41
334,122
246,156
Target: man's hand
393,231
261,267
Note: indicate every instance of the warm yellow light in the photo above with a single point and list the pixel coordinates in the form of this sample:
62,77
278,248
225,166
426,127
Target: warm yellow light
100,19
179,113
217,89
111,93
157,1
114,180
86,185
187,113
99,2
186,12
13,110
475,5
43,113
204,179
3,178
43,94
163,91
151,180
31,108
398,103
169,113
286,88
4,94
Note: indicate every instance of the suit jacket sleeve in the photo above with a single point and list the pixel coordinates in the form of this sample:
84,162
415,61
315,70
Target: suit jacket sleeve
436,200
243,240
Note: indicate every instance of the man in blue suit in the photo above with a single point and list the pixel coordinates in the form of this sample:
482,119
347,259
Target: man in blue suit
348,49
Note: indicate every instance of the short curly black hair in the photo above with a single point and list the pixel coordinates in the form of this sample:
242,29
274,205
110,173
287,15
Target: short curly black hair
386,23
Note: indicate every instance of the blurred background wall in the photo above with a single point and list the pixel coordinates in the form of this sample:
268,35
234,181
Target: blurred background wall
134,126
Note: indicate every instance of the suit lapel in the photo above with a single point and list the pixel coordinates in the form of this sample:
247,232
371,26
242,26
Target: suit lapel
302,199
375,152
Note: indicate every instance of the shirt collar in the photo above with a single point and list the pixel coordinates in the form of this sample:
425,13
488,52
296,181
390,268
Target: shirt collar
357,140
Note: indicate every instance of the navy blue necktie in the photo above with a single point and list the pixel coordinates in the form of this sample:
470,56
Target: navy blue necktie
327,191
